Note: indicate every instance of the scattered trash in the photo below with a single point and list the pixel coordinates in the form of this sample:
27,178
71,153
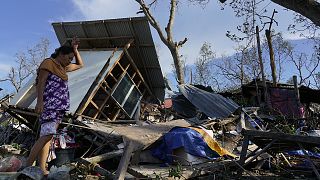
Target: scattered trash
10,164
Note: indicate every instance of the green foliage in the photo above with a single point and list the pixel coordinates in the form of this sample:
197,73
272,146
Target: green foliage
158,176
176,172
286,128
16,146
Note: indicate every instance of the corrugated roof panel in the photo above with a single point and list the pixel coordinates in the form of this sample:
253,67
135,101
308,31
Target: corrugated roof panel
213,105
140,27
79,81
120,31
61,35
148,55
94,29
73,30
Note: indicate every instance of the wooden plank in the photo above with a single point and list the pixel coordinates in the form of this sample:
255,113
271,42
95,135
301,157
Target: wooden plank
105,156
243,154
91,118
105,82
98,109
116,115
101,38
136,69
124,162
114,78
260,152
98,169
281,136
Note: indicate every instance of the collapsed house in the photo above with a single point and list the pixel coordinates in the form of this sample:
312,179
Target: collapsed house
121,71
287,99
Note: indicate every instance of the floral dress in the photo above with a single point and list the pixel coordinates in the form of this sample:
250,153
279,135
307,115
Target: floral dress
56,102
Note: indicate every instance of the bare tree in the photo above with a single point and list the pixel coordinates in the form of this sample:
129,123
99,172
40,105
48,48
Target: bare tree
316,78
166,38
27,64
204,74
307,8
306,67
240,68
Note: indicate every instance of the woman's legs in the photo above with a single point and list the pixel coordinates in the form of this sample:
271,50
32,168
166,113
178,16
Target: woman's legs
41,148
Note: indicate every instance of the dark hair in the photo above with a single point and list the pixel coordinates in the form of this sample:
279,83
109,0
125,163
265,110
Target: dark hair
62,50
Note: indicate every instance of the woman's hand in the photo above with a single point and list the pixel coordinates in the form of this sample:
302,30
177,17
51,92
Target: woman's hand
75,43
39,107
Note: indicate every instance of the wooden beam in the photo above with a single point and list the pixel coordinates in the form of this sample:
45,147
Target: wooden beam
101,38
97,168
105,156
124,162
282,136
244,149
137,70
260,152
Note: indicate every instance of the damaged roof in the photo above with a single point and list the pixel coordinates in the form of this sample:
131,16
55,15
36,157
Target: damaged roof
212,104
112,33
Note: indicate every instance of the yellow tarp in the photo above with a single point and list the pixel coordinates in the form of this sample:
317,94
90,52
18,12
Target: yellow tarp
212,143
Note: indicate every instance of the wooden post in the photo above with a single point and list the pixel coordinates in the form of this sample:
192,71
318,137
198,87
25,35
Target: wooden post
124,162
243,154
105,156
244,149
296,89
263,77
271,52
272,63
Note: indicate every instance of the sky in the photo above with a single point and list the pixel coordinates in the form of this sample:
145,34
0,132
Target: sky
24,23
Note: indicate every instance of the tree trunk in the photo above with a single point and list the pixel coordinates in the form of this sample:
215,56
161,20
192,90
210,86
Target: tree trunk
177,63
263,77
308,8
272,63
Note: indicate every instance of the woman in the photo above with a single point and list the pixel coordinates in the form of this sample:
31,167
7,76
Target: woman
53,98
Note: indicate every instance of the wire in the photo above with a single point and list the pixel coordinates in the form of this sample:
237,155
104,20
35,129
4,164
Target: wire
265,7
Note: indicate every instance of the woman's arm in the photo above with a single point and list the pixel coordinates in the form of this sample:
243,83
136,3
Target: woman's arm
42,78
79,62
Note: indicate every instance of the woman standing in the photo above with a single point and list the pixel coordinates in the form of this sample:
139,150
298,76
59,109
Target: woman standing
53,98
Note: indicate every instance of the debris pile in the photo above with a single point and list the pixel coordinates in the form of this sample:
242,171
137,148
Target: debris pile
246,142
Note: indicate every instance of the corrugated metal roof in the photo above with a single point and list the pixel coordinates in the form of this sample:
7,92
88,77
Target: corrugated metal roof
116,33
79,81
213,105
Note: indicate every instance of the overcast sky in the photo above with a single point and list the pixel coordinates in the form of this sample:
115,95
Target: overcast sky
25,22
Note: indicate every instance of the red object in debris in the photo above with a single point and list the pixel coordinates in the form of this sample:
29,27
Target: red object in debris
10,164
167,103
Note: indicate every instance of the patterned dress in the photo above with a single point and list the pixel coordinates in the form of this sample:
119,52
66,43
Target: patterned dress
56,102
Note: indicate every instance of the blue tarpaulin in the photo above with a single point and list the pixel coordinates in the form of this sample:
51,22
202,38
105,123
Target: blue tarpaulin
300,153
192,142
